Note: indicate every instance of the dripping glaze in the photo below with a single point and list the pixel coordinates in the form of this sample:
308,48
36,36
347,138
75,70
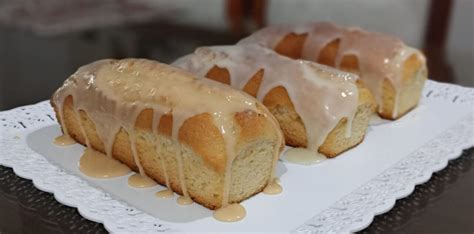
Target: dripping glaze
303,156
387,62
94,87
273,188
184,200
165,193
321,95
64,140
230,213
97,165
139,181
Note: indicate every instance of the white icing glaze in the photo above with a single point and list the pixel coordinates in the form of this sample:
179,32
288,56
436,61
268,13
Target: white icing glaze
139,181
156,120
322,96
165,193
114,92
273,187
303,156
230,213
81,126
225,121
184,200
64,140
380,56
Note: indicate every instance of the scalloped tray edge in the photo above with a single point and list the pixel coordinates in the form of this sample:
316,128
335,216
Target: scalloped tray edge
453,93
410,188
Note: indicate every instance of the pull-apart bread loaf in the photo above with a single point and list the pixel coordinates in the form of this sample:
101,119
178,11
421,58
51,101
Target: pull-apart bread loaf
394,72
318,107
200,138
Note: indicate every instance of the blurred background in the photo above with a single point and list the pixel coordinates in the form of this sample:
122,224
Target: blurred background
42,42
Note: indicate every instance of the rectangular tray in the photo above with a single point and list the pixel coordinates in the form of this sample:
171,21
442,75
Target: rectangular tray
341,194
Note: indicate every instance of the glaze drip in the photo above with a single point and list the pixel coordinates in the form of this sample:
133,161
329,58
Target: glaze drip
322,96
64,140
97,165
114,92
139,181
184,200
230,213
165,193
156,120
303,156
273,188
379,56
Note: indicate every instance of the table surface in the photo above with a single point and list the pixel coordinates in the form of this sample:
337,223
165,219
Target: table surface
444,204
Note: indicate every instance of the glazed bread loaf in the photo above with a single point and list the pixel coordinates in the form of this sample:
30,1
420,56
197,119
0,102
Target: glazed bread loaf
202,139
394,72
318,107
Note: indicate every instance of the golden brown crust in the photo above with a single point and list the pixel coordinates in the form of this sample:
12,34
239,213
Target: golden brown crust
330,153
350,63
205,139
336,142
277,98
328,54
198,132
165,126
222,75
219,74
253,84
145,119
194,161
409,94
292,44
280,105
410,67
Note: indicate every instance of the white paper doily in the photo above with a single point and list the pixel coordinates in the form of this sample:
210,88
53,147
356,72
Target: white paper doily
353,212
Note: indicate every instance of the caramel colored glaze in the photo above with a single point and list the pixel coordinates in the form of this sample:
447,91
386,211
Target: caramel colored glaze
278,98
162,120
230,213
198,124
97,165
184,200
374,56
165,193
149,100
303,156
139,181
321,96
64,140
273,188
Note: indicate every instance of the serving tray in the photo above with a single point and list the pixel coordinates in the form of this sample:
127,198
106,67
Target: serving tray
337,195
